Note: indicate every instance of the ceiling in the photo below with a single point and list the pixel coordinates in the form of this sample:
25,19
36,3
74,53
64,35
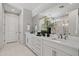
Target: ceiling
10,9
43,7
29,6
34,7
49,9
59,12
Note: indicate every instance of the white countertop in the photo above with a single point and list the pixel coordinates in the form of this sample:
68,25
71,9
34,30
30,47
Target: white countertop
73,42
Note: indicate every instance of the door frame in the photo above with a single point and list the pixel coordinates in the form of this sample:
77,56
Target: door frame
5,25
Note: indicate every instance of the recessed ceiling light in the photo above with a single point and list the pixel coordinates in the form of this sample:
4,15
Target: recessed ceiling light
61,6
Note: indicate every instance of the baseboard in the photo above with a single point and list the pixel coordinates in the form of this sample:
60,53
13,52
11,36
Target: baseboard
11,42
1,46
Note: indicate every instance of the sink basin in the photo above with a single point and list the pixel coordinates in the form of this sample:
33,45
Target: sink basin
54,39
57,41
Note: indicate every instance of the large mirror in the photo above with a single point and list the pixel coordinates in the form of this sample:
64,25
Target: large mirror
58,25
61,20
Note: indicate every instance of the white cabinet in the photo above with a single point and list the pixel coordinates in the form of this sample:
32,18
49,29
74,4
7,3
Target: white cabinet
46,47
34,42
27,38
29,42
54,49
61,53
48,51
36,45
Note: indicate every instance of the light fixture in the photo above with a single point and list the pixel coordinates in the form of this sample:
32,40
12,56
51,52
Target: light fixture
65,24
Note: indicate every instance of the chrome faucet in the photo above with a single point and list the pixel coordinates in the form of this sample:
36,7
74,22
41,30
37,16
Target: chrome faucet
63,36
60,36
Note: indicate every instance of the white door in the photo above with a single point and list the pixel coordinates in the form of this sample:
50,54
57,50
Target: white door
11,27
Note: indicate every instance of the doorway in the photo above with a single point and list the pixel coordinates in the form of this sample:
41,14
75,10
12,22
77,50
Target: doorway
11,27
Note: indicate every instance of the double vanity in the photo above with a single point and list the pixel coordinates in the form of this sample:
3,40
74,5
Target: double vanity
52,46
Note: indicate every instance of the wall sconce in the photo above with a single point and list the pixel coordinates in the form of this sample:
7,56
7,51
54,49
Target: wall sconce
65,24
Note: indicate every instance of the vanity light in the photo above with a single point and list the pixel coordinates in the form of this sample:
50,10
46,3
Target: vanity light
65,24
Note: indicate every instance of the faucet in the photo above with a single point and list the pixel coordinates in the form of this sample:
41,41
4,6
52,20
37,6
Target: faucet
60,36
65,36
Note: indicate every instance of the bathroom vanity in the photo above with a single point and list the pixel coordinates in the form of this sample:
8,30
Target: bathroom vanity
52,46
59,48
34,43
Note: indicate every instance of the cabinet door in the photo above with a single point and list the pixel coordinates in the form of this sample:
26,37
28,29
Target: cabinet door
29,40
36,45
61,53
48,51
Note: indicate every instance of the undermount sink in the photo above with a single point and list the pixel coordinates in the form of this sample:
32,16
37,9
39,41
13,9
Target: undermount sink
57,41
54,39
63,41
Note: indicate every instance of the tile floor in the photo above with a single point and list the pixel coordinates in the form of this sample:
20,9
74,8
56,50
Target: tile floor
15,49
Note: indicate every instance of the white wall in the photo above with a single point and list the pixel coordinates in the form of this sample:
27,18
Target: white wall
36,20
21,27
1,26
25,19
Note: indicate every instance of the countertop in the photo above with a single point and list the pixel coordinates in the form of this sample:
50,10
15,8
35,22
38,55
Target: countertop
73,42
